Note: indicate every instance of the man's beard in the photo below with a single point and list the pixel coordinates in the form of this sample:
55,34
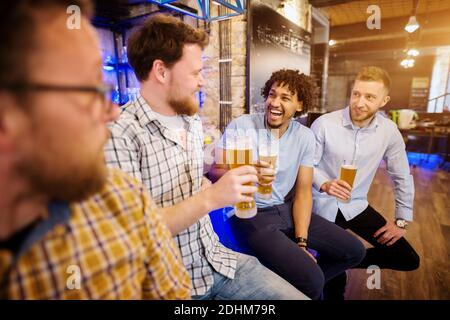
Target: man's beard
270,126
187,106
362,117
64,183
274,127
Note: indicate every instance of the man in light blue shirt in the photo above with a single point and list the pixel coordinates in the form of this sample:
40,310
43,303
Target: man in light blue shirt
281,232
361,135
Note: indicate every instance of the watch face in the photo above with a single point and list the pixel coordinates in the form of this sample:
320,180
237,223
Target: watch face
401,223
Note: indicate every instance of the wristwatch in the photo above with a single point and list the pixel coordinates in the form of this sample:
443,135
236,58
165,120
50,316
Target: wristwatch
401,223
302,242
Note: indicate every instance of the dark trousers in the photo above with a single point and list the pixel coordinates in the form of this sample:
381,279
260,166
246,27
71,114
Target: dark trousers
399,256
269,236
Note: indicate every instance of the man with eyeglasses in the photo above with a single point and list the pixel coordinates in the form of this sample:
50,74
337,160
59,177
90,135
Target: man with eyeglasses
69,227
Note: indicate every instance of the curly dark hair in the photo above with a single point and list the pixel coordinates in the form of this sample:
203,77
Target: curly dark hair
297,82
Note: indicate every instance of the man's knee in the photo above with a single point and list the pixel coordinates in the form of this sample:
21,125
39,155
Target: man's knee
354,251
315,286
274,287
310,282
411,260
357,253
404,256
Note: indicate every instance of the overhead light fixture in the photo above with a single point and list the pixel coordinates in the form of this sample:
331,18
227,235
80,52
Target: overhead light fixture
331,42
412,25
407,63
413,52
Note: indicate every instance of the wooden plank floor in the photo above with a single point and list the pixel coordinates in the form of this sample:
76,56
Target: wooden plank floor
429,235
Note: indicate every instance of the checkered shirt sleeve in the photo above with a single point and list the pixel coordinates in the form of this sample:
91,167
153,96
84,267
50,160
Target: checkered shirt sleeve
144,148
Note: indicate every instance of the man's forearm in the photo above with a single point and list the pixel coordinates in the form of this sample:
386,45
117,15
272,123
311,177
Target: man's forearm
302,213
398,168
231,188
404,198
403,188
184,214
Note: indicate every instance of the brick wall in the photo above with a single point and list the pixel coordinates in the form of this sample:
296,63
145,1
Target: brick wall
298,11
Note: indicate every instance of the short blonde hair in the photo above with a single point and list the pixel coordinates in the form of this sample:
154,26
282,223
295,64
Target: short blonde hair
375,74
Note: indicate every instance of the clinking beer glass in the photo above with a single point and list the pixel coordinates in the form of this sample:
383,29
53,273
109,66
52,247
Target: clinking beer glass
239,152
348,173
267,152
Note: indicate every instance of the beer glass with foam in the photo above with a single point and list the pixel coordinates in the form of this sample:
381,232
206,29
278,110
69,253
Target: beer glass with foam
239,152
267,152
348,173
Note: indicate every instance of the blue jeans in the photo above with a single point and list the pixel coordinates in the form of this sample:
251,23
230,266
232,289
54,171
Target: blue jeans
269,236
252,281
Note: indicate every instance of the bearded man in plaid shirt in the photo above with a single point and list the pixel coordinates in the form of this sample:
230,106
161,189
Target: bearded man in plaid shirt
158,139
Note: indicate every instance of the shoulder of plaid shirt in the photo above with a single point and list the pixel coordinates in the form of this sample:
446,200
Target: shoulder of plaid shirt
118,241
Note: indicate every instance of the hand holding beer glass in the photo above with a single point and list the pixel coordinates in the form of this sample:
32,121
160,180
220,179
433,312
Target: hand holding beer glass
239,152
348,173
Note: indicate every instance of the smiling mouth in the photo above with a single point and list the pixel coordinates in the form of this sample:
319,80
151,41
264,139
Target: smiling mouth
275,113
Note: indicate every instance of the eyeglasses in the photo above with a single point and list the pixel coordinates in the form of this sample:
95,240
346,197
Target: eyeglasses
104,91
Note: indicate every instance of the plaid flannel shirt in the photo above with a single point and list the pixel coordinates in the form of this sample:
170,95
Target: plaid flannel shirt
113,245
141,146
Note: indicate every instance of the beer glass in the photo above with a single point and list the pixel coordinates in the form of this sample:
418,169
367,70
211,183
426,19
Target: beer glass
239,152
348,173
267,152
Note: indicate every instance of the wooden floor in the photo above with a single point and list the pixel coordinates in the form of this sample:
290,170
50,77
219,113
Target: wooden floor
429,235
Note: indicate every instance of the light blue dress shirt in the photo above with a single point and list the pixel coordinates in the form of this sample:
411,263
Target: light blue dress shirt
296,148
337,138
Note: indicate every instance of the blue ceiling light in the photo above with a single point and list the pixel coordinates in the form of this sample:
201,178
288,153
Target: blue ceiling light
204,5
